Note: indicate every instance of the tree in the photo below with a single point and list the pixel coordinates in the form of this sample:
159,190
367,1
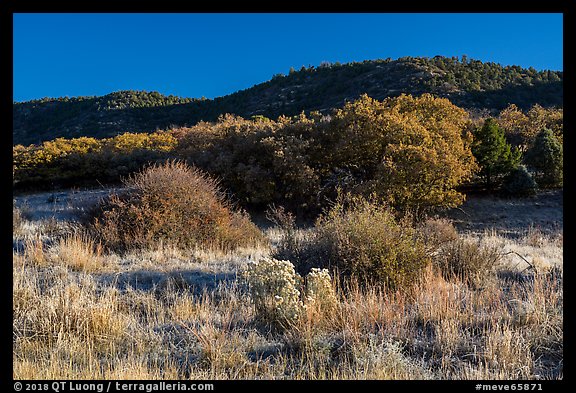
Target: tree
515,124
494,155
546,157
408,150
519,183
521,128
550,118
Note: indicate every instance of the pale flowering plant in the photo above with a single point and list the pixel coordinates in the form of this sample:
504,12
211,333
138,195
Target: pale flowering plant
319,289
274,290
279,294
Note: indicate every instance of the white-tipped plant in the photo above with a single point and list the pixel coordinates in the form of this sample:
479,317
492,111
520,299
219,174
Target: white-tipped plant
274,289
319,289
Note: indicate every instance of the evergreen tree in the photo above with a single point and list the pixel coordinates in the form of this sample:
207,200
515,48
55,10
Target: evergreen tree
546,158
519,183
494,155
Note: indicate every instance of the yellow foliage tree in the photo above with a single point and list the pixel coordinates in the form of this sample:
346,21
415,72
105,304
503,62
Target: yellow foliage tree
521,128
413,151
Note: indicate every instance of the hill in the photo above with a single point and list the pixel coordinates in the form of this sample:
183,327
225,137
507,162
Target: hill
470,84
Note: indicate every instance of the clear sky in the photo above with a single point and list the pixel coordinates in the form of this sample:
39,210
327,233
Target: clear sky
195,55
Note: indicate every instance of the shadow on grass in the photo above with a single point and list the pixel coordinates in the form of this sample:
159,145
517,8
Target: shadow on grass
194,281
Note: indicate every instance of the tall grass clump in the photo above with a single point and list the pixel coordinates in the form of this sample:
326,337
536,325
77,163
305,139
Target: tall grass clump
172,204
78,252
17,220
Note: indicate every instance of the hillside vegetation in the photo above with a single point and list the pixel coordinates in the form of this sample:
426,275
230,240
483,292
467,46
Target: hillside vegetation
415,153
167,277
470,84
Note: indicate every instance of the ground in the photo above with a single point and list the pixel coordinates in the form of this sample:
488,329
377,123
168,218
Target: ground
511,216
507,216
165,313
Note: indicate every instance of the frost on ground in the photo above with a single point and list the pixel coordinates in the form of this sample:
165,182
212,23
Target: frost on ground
63,205
504,215
511,217
166,313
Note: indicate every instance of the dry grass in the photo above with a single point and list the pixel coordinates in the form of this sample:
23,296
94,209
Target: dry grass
79,252
171,313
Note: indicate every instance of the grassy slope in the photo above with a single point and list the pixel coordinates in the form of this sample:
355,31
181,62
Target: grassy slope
169,314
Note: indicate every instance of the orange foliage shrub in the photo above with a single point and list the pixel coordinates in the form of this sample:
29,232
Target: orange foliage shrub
172,204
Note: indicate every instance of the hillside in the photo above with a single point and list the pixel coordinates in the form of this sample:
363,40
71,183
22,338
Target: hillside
470,84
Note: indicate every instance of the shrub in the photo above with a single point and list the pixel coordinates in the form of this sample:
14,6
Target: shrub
410,151
290,243
274,290
172,204
435,232
364,240
519,183
319,290
467,259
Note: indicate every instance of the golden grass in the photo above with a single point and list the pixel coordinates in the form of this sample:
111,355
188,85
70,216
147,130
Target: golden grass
79,252
74,318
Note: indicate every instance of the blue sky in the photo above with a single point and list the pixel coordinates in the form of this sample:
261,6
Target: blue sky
195,55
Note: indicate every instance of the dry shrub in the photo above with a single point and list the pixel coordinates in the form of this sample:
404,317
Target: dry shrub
436,232
468,259
172,204
290,243
360,238
363,239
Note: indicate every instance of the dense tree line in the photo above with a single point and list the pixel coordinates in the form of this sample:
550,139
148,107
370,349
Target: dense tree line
414,153
367,147
70,162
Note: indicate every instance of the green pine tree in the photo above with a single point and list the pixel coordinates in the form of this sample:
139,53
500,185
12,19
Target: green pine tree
494,155
519,183
546,158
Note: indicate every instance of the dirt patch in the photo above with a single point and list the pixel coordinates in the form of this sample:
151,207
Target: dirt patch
511,216
64,205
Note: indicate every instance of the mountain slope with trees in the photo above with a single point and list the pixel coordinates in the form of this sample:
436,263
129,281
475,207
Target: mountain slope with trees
470,84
